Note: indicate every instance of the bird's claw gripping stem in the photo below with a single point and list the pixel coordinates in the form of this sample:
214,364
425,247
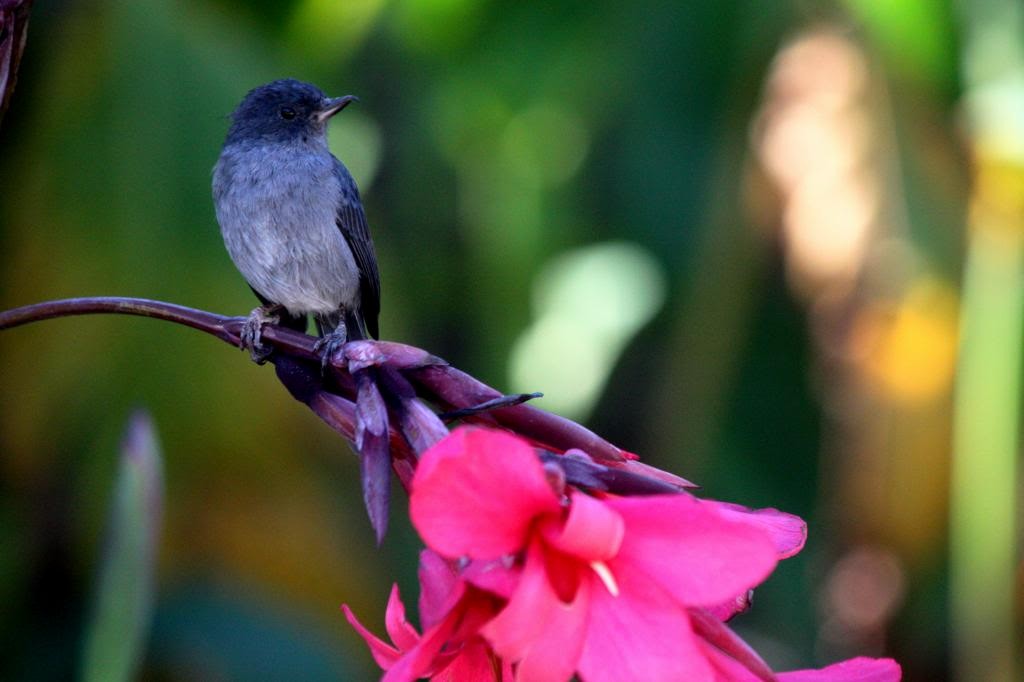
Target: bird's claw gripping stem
330,344
252,332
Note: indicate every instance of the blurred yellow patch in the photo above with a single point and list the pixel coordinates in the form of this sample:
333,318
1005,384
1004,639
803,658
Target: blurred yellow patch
908,350
998,202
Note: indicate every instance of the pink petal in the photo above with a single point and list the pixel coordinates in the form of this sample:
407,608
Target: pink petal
716,635
554,655
423,658
513,631
477,492
642,634
591,532
475,663
498,576
480,608
537,630
385,654
687,547
730,608
450,639
853,670
728,669
399,630
437,588
788,532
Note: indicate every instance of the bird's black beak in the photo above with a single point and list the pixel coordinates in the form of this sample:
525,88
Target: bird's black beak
333,106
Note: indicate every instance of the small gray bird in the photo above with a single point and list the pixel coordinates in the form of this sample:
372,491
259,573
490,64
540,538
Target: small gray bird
292,221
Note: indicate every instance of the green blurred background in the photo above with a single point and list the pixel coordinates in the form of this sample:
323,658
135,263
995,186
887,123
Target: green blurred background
772,247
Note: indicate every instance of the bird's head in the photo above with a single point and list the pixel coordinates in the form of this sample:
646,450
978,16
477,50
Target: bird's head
284,110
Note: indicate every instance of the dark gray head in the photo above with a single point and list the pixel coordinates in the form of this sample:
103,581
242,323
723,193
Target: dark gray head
284,110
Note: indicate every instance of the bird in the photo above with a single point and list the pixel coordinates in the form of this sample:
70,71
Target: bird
292,219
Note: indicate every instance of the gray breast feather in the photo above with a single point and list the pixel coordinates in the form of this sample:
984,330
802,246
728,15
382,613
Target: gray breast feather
277,212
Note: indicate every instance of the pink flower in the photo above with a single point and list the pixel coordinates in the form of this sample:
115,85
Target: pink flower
553,582
605,584
450,650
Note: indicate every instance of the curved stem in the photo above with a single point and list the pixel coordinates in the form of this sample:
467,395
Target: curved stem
197,319
225,328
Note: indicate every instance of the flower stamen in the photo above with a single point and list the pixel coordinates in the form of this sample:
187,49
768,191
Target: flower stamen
605,574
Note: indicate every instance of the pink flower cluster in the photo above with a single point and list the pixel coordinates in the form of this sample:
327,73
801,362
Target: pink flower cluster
526,578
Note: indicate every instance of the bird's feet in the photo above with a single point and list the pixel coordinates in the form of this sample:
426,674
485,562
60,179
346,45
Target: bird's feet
331,343
252,331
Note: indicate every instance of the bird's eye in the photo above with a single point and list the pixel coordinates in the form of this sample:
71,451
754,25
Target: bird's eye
287,113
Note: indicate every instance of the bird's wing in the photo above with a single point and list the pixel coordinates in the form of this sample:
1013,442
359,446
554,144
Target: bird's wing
351,220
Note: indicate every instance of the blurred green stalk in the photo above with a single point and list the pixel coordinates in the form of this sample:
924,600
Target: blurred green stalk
984,465
988,394
118,628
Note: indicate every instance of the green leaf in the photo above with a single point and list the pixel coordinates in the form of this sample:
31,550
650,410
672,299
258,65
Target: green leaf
119,623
